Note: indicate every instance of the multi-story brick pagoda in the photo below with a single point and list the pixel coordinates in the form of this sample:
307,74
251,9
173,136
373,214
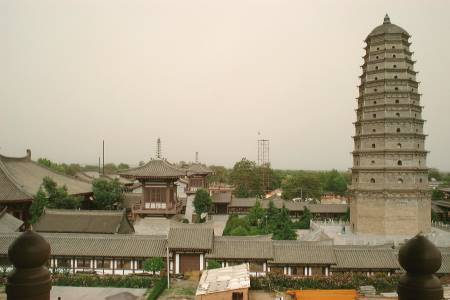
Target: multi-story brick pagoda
389,190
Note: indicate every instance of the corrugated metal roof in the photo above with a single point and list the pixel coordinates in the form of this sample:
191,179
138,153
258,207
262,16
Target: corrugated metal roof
122,245
231,247
83,221
155,168
191,236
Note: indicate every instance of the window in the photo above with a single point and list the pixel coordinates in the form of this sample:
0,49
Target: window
372,180
393,55
398,130
415,115
373,145
83,263
374,116
372,162
376,68
400,181
104,263
418,145
374,130
63,262
393,47
374,90
395,66
399,145
377,57
124,264
417,130
374,102
237,296
399,163
397,101
398,115
420,180
395,76
396,88
376,78
378,48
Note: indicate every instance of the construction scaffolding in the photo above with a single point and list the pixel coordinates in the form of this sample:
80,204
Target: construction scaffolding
264,163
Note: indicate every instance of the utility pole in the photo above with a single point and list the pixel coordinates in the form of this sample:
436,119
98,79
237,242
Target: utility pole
103,157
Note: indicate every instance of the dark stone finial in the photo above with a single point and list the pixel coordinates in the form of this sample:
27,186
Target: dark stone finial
421,259
387,20
30,279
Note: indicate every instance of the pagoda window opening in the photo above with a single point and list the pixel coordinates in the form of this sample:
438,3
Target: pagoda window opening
377,57
415,115
375,90
374,130
372,162
396,88
398,130
374,102
400,181
397,101
393,56
399,163
376,67
378,48
374,116
420,180
395,76
372,180
376,78
399,145
418,145
373,145
417,130
398,115
395,66
393,47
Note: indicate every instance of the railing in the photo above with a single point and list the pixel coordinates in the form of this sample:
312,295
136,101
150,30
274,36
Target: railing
441,225
30,279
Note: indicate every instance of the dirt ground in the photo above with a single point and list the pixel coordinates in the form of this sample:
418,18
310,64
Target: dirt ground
263,295
180,290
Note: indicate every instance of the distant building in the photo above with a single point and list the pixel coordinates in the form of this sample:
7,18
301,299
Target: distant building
389,191
224,283
159,192
84,221
20,179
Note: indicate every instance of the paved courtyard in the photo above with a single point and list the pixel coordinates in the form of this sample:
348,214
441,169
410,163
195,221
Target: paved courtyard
95,293
152,226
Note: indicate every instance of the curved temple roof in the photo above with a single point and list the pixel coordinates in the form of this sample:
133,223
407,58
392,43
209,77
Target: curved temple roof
20,179
155,168
199,169
387,27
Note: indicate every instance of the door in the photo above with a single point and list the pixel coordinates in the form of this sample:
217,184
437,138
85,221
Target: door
189,262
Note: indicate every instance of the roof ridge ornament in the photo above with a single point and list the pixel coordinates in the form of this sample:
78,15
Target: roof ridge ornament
387,20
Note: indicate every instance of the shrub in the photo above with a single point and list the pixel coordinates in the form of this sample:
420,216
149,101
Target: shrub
381,282
158,288
154,264
214,264
85,280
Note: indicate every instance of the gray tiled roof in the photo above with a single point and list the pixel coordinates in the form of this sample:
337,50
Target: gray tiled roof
9,223
328,208
221,197
387,27
232,247
191,236
298,252
20,179
365,258
198,169
121,245
155,168
243,202
83,221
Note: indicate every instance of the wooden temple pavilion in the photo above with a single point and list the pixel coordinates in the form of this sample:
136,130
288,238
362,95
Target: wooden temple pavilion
159,192
197,174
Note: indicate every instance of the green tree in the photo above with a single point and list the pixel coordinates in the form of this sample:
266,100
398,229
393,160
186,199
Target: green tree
154,264
246,180
239,231
202,202
346,217
220,175
283,228
301,184
334,182
213,264
123,166
40,201
437,195
107,193
51,196
256,214
305,219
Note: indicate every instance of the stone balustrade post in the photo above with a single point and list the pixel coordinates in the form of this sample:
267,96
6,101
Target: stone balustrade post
421,260
30,279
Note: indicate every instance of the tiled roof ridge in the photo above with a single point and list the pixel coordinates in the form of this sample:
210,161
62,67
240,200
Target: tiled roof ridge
11,178
163,161
57,211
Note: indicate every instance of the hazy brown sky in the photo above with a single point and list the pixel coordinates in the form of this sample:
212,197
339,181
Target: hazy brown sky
205,76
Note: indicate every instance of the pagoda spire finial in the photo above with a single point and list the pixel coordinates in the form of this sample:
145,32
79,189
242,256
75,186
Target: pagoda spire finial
387,20
158,148
196,157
